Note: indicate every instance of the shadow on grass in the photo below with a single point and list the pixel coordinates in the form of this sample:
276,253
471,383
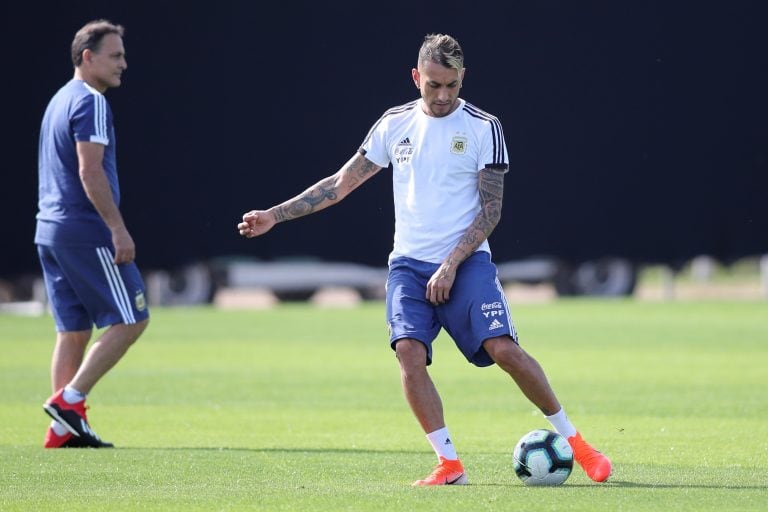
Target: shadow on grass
264,450
613,483
640,485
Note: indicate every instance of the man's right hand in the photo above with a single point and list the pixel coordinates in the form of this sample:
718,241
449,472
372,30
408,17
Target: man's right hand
125,248
256,223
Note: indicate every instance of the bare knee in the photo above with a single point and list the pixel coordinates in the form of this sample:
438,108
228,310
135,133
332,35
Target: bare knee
129,333
138,328
411,354
141,326
74,338
507,354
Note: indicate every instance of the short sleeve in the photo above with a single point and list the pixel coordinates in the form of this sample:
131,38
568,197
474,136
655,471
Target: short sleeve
374,146
493,149
90,119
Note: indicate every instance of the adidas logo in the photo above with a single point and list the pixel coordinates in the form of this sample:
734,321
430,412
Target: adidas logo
403,151
448,441
495,325
87,429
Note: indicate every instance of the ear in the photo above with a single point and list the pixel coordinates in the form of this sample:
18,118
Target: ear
87,56
416,77
461,77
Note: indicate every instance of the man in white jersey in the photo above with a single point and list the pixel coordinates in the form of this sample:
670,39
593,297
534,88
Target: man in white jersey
448,162
86,252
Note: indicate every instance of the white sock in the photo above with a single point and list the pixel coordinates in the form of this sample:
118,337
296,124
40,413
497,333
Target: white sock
562,424
441,443
58,428
72,396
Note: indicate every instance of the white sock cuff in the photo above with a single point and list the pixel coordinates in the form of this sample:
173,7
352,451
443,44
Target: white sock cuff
72,395
440,433
442,444
58,428
562,424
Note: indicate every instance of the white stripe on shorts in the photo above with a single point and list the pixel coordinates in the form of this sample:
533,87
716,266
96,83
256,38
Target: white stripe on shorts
512,329
116,285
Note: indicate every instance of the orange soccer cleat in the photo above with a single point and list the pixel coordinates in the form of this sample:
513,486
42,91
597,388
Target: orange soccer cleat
597,466
448,472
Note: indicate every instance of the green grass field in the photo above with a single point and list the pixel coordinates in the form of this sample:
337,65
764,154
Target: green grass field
300,408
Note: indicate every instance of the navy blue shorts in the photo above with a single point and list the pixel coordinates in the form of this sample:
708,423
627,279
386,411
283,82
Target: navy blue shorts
476,311
85,288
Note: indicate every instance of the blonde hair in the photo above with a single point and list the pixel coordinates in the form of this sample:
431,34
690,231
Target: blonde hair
442,49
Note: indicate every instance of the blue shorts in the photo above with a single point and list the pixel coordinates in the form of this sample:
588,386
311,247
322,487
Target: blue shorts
476,311
85,288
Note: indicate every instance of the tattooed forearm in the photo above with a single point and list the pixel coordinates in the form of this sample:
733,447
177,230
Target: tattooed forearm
491,190
327,191
309,201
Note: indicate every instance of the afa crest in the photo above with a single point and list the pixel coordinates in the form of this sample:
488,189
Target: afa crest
140,301
459,145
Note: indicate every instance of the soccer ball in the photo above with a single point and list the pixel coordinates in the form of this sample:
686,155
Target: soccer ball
543,457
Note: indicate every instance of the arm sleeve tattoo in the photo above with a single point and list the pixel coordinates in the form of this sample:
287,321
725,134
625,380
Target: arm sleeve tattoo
328,191
491,189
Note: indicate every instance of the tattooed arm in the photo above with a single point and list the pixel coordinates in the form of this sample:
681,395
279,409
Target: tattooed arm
319,196
491,189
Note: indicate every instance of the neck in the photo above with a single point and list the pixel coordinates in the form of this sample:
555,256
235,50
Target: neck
79,75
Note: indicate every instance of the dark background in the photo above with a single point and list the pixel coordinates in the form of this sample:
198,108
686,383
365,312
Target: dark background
635,129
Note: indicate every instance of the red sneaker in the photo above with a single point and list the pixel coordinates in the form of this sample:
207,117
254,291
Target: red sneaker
73,418
447,472
597,466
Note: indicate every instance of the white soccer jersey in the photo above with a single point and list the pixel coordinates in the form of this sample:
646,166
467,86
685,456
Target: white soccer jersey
435,164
